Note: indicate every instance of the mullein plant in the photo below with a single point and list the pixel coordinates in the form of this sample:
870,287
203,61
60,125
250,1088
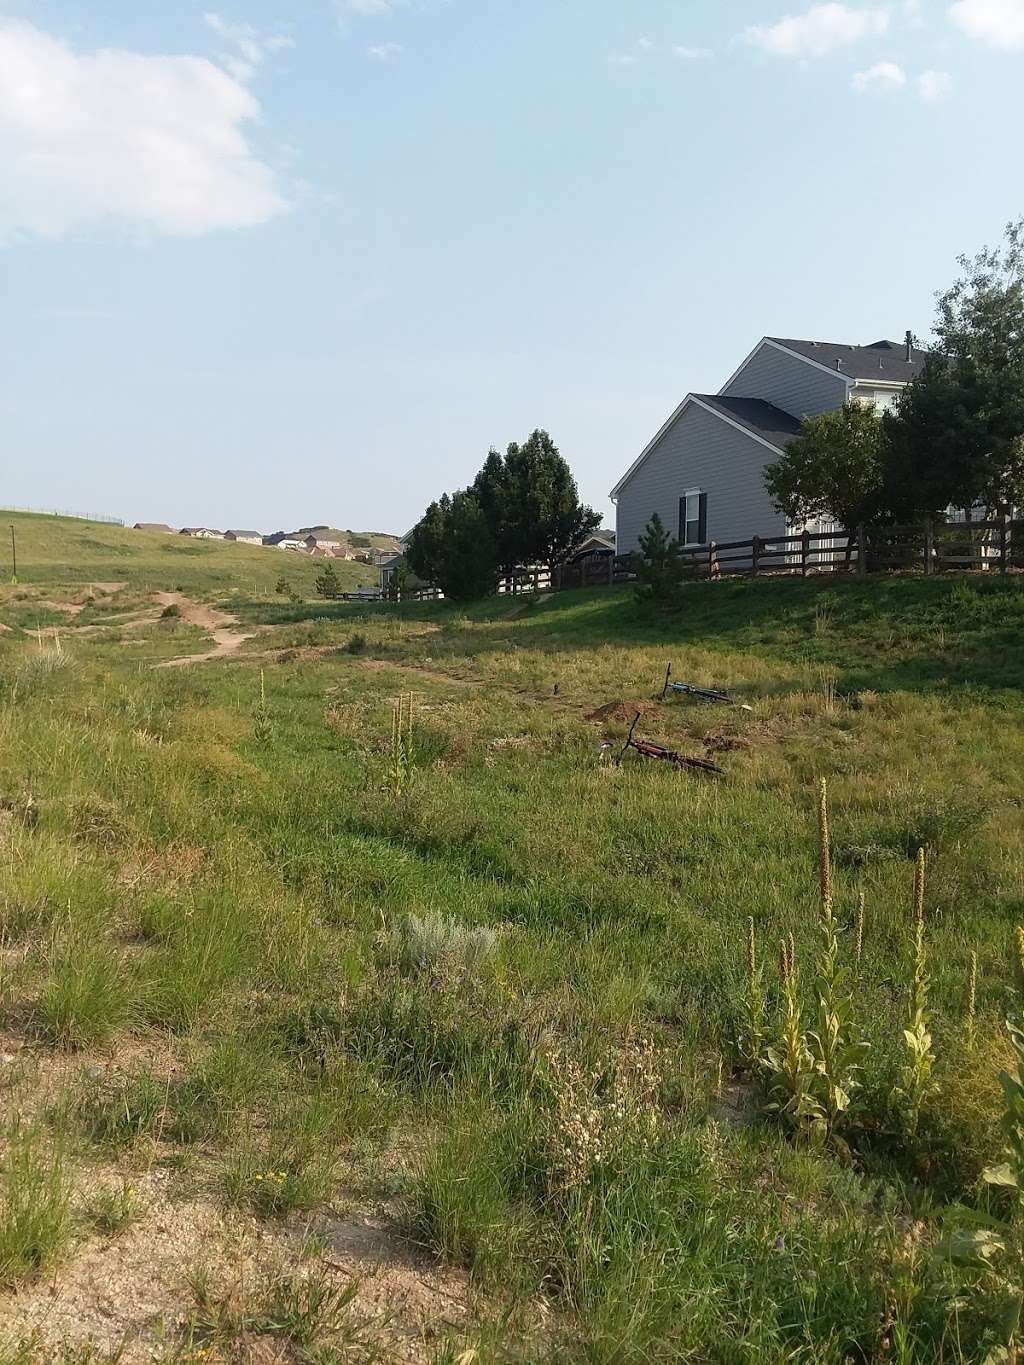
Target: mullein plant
835,1044
402,771
916,1083
979,1240
262,721
790,1064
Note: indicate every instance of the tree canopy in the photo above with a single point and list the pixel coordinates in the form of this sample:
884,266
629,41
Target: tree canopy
834,467
522,509
956,437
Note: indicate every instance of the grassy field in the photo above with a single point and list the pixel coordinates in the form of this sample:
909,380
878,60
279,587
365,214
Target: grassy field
61,552
346,1047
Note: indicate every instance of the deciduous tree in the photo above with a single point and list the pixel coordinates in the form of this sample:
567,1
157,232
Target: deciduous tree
834,467
956,437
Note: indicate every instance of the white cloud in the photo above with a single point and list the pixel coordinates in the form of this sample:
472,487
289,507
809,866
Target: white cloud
821,30
252,47
691,54
622,59
999,23
367,6
384,52
882,76
933,86
125,138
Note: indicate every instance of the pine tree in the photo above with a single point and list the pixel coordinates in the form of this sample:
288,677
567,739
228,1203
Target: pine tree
660,569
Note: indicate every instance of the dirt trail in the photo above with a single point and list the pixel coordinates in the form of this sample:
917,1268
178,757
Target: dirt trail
218,624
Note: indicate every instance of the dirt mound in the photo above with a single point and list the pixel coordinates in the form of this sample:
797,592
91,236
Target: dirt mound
622,712
754,736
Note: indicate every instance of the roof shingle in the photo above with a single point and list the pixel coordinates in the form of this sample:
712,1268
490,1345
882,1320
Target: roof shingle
761,418
880,361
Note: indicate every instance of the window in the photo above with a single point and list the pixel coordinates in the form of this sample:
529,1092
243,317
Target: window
693,518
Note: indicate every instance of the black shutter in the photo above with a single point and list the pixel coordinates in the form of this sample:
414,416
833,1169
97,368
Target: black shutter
702,524
682,521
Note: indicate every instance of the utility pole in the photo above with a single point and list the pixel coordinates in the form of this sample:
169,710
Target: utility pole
14,556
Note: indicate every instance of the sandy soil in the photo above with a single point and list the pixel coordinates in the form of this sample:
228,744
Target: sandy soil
130,1290
219,625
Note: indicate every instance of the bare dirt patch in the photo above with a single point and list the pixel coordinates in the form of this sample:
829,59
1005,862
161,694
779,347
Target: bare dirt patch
219,625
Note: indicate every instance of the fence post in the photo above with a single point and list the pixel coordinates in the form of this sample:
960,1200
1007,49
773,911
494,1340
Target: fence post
862,552
805,552
1004,536
556,578
929,546
755,556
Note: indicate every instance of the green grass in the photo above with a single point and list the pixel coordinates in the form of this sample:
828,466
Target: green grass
60,551
507,999
34,1197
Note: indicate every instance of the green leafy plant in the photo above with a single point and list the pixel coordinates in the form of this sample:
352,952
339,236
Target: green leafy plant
790,1062
979,1240
835,1044
402,765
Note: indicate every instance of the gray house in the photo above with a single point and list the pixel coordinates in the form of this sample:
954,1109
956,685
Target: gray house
703,472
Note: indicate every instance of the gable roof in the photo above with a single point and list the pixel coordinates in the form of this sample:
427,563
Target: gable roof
880,362
248,535
760,418
761,421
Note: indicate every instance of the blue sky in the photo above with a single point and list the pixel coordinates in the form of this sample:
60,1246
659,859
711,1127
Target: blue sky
263,264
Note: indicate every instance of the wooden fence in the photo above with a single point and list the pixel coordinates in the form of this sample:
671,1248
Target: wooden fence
996,546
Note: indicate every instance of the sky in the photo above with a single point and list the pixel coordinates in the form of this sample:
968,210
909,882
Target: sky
266,264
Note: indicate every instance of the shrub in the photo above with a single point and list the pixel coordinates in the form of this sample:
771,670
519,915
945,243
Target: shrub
438,946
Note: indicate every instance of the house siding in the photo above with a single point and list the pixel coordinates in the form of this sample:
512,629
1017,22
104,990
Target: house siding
788,382
700,451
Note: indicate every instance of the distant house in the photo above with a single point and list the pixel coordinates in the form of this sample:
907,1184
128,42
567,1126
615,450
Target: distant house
703,472
201,533
244,537
314,542
288,543
601,545
154,526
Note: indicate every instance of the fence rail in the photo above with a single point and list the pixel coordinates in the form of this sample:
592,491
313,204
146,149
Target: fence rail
57,512
995,545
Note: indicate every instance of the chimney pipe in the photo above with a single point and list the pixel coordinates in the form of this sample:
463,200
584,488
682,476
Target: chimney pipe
910,347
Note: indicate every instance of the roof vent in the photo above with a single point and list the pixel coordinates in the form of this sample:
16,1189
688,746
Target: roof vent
910,347
839,363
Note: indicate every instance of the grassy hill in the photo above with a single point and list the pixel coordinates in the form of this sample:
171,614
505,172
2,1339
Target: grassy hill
446,1044
64,551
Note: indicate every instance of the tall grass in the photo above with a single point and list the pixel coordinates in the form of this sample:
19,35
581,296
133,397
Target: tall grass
34,1201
